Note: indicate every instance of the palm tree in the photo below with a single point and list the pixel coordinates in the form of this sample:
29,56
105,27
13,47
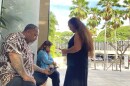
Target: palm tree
127,11
79,9
94,20
111,17
107,6
116,22
116,19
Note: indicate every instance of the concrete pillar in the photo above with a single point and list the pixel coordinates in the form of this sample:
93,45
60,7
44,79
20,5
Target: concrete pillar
43,21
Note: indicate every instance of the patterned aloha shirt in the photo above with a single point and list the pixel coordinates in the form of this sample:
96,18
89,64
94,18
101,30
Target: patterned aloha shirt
16,43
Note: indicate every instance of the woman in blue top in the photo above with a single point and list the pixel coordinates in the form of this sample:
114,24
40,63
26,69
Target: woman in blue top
44,60
80,47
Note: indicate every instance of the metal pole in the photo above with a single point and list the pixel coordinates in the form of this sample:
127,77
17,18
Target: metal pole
106,55
116,49
94,55
105,51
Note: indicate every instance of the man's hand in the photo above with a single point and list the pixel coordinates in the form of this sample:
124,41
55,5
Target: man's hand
29,78
46,71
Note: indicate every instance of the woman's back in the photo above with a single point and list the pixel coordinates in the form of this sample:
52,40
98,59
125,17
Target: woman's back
79,58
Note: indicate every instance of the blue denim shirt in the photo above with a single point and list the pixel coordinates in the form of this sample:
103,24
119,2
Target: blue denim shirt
44,58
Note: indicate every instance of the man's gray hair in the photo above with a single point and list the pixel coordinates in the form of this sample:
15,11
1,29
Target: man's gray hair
30,26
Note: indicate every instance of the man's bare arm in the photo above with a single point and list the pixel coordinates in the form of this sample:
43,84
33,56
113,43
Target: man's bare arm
17,64
36,68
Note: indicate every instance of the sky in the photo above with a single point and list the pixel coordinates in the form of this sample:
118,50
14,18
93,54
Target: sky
60,8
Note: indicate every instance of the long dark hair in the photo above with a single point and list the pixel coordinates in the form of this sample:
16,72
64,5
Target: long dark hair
83,33
44,45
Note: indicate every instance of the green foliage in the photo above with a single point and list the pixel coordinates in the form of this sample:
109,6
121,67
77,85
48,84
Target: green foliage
52,28
53,50
93,31
104,3
60,40
94,20
126,12
52,31
58,54
65,36
122,33
109,12
79,9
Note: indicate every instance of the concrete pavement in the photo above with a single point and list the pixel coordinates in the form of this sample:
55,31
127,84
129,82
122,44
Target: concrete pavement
108,78
101,78
98,77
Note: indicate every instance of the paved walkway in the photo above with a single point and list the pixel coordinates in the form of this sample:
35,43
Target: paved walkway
99,77
102,78
108,78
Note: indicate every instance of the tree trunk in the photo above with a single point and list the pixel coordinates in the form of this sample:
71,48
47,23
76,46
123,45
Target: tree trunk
120,61
116,64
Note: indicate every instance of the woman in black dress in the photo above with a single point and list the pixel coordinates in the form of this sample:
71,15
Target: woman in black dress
80,47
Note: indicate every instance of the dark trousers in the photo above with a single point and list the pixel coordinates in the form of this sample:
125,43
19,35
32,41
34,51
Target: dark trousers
55,76
40,78
18,81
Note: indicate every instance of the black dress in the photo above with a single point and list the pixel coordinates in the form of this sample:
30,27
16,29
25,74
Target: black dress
77,66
